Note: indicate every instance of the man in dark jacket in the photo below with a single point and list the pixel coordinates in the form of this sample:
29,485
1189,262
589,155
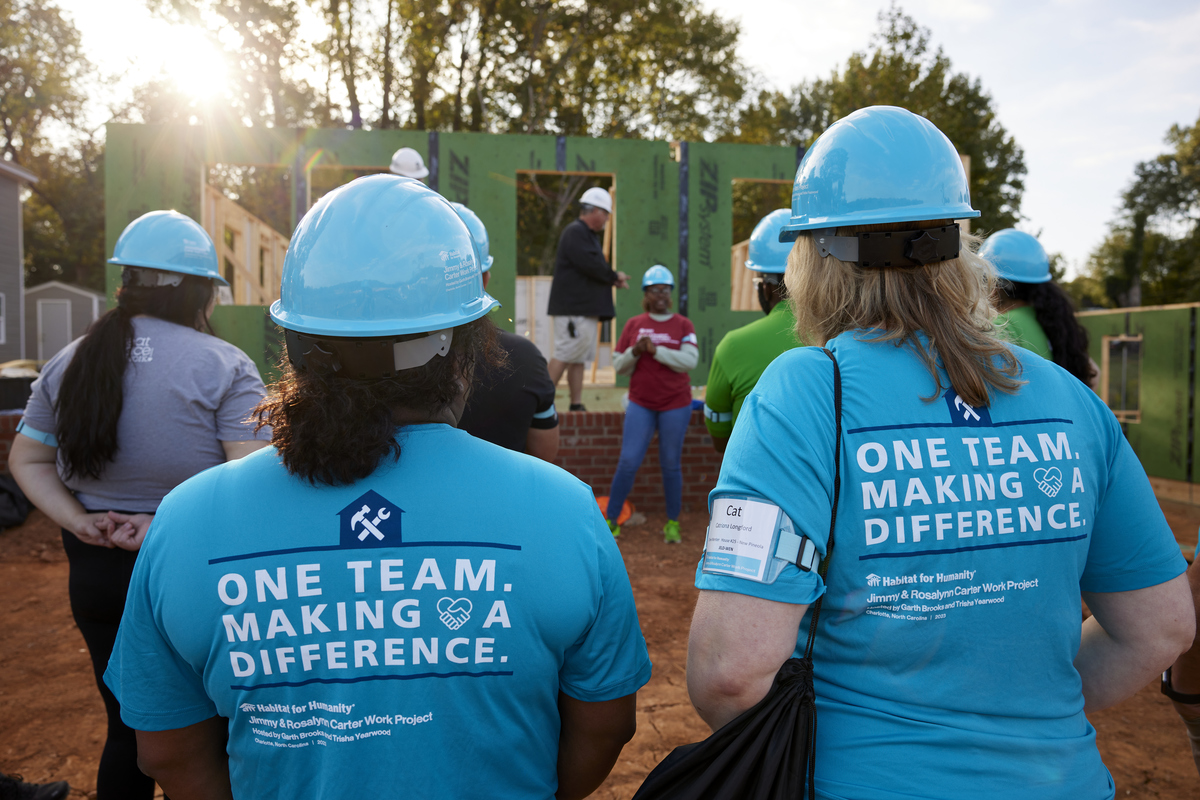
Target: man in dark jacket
581,293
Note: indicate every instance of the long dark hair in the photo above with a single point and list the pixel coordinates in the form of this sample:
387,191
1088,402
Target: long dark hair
92,392
1056,314
336,431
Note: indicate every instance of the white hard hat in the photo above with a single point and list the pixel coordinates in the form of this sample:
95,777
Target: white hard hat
408,162
600,198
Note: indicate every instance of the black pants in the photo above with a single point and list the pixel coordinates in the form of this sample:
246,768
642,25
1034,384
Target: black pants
98,585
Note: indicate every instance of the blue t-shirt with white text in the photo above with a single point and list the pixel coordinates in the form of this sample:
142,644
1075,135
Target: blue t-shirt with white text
944,654
406,636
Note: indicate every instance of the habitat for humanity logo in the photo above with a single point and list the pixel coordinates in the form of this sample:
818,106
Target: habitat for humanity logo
370,521
873,579
964,415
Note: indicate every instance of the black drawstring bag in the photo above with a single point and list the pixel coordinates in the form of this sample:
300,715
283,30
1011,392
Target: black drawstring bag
769,752
14,505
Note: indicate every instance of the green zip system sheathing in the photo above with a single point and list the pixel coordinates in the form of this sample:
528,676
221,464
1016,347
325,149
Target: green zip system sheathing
670,210
1164,436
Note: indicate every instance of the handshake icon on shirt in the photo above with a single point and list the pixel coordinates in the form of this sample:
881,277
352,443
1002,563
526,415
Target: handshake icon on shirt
1050,481
454,613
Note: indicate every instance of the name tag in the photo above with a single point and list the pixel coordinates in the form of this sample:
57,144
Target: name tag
741,538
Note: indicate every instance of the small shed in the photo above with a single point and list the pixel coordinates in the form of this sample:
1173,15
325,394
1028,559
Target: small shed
56,314
12,260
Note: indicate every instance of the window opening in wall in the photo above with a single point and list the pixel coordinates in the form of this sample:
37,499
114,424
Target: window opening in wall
1121,375
546,203
246,210
265,192
752,200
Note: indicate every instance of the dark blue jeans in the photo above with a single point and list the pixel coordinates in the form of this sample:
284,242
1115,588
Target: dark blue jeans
640,425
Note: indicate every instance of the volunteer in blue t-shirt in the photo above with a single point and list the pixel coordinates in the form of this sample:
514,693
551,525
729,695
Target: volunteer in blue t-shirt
380,605
144,400
981,490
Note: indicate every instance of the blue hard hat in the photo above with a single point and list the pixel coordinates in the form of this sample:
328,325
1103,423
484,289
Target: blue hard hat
380,256
1017,256
767,253
168,241
478,233
656,275
879,164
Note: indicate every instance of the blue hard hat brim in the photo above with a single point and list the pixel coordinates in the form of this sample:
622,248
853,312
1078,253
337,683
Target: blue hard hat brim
1022,278
753,267
487,264
145,264
347,328
791,232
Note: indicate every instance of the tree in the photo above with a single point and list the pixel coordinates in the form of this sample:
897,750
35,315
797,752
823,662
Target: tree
1152,252
625,68
64,217
260,39
664,69
901,69
44,79
42,68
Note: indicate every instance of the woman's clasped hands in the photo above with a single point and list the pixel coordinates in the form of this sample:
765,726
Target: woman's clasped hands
112,529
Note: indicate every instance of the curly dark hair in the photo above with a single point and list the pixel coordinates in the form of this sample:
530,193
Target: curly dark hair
1056,314
92,393
334,430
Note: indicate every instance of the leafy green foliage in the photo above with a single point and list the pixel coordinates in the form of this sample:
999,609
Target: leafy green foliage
64,217
42,69
753,200
44,78
261,44
902,69
625,68
1151,255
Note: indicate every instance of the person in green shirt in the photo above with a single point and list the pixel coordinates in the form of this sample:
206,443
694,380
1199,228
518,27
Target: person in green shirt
744,353
1034,312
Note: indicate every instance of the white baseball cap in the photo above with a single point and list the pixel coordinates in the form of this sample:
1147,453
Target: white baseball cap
600,198
408,162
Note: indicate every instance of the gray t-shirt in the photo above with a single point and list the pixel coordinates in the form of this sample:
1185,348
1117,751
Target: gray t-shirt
185,393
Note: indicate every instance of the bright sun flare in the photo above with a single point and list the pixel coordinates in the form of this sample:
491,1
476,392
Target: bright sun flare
192,62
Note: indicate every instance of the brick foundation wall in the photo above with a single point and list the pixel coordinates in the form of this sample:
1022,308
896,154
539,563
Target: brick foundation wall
589,447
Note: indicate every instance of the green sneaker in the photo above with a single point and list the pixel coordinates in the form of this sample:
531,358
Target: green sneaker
671,531
615,528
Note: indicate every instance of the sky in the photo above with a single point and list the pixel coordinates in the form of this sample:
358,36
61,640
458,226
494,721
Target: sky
1086,87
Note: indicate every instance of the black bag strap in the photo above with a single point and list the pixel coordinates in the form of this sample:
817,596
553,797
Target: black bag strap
823,569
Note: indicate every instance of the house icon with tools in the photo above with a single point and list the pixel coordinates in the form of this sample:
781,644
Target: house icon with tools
370,521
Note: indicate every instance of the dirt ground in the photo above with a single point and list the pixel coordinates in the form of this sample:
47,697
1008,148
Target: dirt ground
52,719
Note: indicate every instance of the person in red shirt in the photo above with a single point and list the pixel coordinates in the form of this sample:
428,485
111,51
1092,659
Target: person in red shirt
658,348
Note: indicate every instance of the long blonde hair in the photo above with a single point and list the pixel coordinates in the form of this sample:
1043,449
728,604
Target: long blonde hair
950,302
